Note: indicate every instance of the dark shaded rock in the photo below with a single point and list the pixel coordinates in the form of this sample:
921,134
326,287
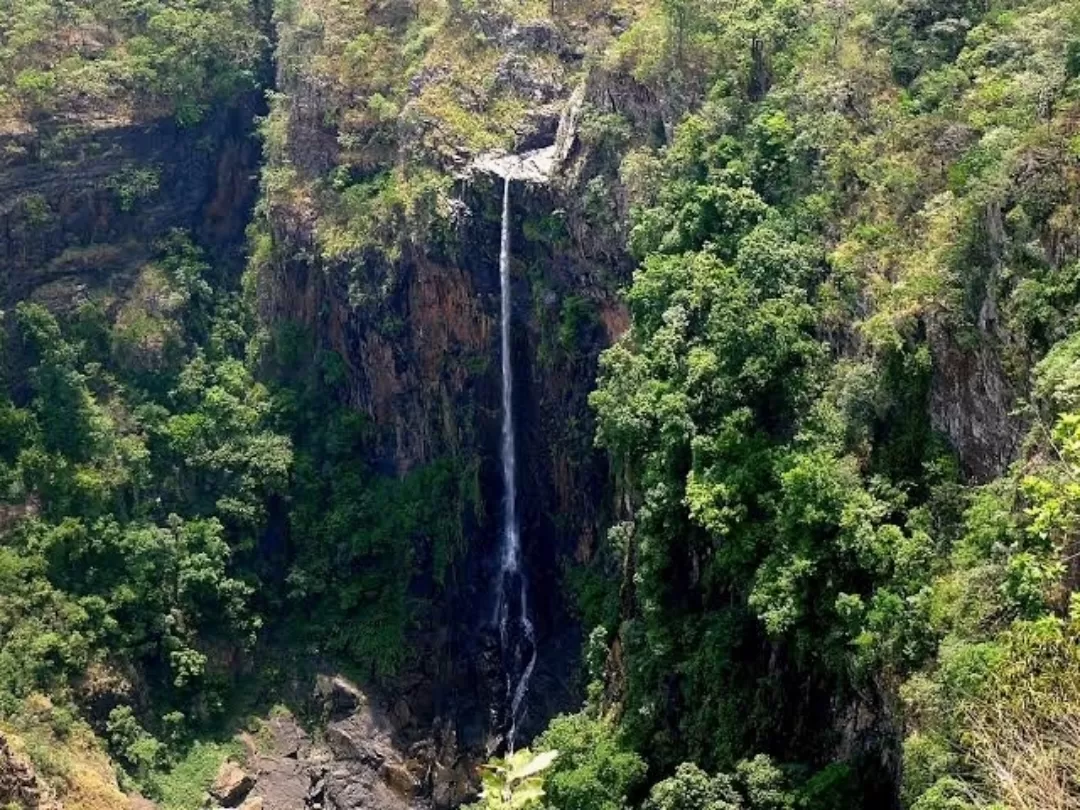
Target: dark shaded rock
402,713
516,72
973,403
451,785
430,387
399,779
362,764
289,739
535,35
80,212
284,783
317,791
350,741
540,129
340,697
356,788
103,687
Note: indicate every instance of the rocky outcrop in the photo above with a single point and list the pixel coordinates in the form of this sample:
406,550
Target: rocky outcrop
417,329
359,760
231,785
19,784
530,167
973,402
81,211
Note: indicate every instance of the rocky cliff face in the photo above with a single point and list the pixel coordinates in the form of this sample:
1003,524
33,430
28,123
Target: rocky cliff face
414,315
83,205
19,785
357,759
84,201
423,365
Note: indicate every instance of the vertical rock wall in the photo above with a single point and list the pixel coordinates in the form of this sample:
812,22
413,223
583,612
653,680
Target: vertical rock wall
81,208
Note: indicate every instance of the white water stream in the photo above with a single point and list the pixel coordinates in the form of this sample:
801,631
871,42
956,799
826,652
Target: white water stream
517,637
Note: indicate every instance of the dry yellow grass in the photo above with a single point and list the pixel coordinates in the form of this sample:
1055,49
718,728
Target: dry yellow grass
1029,763
74,766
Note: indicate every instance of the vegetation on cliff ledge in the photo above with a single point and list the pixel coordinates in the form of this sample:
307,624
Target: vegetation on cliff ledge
104,63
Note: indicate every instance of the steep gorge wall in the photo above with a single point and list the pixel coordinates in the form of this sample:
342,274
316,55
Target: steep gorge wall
82,205
423,365
85,201
412,315
417,328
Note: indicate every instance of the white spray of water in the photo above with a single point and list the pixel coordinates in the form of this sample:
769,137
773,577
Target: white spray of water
516,634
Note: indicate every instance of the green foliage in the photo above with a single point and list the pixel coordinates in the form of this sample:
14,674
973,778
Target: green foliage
593,591
178,56
693,789
812,264
993,717
578,315
137,461
595,769
360,538
134,185
361,533
138,751
755,784
515,783
184,785
376,218
846,216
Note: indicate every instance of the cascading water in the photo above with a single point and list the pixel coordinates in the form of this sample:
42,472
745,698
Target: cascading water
517,638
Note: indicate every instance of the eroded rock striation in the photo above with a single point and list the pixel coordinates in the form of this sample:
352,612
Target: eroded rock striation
82,207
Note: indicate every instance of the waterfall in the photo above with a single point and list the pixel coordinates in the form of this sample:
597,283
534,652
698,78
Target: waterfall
516,635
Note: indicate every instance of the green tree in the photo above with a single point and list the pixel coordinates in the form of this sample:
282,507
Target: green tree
515,783
595,770
693,789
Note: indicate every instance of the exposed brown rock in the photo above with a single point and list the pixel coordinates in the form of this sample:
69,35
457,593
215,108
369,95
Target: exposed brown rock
398,779
19,785
362,762
290,740
64,231
103,687
451,785
416,329
973,403
284,783
231,785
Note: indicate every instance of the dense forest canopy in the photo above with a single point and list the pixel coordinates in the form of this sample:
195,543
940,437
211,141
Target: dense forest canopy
842,421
